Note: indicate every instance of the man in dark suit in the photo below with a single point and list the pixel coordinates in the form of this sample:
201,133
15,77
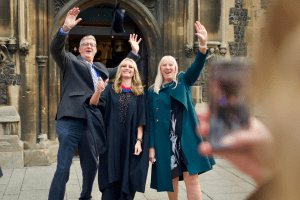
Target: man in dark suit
80,76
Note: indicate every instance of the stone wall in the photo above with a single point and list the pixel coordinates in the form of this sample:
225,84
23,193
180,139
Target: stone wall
30,79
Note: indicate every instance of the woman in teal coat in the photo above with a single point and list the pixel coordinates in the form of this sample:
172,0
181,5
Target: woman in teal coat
173,142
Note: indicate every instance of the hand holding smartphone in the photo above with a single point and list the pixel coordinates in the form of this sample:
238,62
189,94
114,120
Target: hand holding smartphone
229,99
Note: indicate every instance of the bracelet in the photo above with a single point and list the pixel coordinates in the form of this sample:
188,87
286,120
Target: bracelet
141,140
67,26
202,47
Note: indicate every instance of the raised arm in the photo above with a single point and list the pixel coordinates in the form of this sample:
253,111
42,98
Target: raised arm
195,69
133,54
59,40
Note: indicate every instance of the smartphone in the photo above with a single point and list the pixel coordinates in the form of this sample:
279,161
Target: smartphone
229,99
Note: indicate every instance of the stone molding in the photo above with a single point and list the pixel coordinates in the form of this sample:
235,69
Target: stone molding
42,60
24,48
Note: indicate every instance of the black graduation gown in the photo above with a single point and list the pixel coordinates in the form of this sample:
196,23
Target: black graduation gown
119,163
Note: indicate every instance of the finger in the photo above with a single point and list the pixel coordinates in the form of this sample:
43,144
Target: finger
138,42
135,150
135,38
106,81
204,115
78,20
205,149
204,128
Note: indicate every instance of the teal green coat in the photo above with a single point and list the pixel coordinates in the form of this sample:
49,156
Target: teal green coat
159,118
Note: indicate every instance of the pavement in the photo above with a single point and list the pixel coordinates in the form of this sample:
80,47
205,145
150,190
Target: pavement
224,182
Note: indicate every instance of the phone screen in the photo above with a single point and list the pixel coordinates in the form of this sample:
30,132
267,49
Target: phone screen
228,99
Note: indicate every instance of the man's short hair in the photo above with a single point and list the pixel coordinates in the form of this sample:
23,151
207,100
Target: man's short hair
87,37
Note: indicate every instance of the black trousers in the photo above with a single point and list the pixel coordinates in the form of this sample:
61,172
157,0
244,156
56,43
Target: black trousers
113,192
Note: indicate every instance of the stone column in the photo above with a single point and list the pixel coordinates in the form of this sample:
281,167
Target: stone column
43,96
190,14
53,78
223,48
42,60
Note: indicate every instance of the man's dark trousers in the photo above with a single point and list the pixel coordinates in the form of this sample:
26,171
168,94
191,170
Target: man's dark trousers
73,133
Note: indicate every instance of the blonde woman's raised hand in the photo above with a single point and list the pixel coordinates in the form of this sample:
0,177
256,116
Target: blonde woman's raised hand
134,43
202,35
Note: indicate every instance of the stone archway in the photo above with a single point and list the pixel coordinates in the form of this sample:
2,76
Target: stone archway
139,13
136,10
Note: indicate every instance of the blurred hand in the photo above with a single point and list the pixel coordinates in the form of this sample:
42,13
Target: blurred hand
134,43
249,150
70,20
101,84
137,148
151,154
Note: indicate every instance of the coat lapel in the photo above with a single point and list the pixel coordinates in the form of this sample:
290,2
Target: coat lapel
180,93
90,79
102,69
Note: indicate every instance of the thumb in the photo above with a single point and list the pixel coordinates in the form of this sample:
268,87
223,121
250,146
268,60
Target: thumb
106,81
78,20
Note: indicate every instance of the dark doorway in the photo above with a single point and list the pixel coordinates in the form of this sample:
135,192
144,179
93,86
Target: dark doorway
112,47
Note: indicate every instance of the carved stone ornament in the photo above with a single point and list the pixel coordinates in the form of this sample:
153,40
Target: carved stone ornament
188,48
59,4
13,45
24,48
4,54
223,51
151,5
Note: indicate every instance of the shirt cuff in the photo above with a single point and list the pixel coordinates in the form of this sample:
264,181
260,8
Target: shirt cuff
134,53
62,32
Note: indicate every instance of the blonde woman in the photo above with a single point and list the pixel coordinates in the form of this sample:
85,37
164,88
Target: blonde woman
123,167
172,122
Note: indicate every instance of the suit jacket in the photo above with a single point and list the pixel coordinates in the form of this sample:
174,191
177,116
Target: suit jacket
77,83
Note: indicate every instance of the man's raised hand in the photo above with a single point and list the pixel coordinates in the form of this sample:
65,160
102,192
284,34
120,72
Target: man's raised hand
70,20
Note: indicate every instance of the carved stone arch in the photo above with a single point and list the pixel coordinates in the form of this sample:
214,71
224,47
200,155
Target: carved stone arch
139,13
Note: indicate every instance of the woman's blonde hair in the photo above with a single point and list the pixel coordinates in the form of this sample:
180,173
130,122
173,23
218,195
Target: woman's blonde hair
136,83
159,77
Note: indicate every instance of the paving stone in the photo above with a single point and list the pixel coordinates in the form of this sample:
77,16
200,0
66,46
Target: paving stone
10,197
222,183
15,183
3,188
34,195
6,176
240,196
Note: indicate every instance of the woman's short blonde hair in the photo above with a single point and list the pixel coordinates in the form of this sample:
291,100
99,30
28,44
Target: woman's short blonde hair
136,83
159,77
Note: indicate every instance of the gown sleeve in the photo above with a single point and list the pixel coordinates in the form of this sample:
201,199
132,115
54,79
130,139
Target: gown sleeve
142,110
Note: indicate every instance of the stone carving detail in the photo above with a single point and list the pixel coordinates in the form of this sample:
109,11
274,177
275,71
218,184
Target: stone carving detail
59,4
151,5
188,48
24,48
239,18
7,70
223,51
7,78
